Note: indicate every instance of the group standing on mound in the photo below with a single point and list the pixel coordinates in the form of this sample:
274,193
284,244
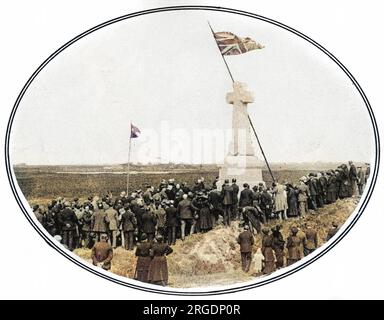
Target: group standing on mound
152,220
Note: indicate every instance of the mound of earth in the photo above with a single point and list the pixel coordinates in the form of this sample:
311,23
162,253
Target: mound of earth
213,258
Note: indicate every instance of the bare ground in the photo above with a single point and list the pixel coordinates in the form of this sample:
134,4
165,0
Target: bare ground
213,258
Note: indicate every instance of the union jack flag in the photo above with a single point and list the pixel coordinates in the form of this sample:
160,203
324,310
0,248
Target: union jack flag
230,44
135,131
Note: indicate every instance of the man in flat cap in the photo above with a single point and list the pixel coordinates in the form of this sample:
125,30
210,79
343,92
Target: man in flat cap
102,253
246,241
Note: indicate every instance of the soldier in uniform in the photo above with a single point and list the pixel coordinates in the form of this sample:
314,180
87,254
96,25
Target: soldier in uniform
102,253
268,253
246,241
293,246
158,269
143,259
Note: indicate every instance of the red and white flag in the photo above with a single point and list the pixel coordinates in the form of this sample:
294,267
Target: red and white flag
230,44
135,131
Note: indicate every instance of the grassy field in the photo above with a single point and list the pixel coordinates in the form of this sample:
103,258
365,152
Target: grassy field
46,185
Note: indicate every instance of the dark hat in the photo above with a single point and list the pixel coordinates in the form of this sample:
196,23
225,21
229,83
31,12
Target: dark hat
226,181
246,185
233,179
334,224
294,230
76,199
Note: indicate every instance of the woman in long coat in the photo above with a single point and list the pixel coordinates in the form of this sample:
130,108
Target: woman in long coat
201,207
278,246
281,204
294,247
267,251
143,259
158,270
292,201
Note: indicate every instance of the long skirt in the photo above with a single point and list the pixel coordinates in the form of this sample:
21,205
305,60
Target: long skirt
142,268
158,270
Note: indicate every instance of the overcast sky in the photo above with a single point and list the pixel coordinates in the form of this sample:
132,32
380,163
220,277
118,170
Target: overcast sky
164,73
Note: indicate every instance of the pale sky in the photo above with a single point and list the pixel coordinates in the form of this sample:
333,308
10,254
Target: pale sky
164,72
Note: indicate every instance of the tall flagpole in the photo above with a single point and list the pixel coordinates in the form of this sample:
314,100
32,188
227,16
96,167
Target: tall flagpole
249,118
129,159
225,61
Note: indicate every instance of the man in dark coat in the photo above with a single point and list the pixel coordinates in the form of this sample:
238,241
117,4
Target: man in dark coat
186,215
227,196
98,222
266,204
331,187
171,222
246,196
143,261
149,224
102,253
68,222
246,241
313,191
129,223
214,198
235,202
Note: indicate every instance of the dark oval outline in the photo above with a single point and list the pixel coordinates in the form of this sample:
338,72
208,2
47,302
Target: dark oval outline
207,8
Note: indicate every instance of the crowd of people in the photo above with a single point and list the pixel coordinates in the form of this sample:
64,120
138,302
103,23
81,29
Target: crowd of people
151,220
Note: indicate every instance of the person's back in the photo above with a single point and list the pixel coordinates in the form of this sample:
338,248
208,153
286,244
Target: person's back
246,241
102,253
185,210
228,195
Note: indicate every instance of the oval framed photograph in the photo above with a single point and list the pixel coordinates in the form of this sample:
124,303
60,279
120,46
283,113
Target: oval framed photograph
192,150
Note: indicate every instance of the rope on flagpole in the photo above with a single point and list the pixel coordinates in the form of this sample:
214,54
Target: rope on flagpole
261,149
249,118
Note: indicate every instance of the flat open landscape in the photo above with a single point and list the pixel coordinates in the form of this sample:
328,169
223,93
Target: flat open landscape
43,183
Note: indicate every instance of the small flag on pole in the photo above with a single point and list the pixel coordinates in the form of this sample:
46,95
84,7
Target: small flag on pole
230,44
135,131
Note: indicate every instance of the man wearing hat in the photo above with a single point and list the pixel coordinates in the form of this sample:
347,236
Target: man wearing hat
235,201
227,194
184,209
246,241
112,223
171,221
149,224
68,222
102,253
129,224
98,222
